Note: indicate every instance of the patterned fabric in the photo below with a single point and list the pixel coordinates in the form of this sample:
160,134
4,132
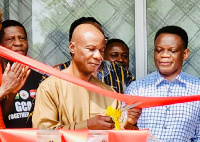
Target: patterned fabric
113,75
170,123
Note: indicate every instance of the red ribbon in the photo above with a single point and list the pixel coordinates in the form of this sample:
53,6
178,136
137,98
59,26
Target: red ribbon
18,135
30,135
146,101
74,135
128,135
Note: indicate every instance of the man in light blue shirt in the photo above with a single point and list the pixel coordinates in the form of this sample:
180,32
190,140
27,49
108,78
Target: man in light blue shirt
171,123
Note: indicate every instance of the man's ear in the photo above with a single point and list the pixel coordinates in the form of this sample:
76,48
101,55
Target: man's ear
186,53
71,47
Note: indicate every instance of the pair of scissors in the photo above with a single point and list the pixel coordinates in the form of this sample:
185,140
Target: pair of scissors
125,107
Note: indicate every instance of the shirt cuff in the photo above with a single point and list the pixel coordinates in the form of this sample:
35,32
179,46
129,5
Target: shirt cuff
81,125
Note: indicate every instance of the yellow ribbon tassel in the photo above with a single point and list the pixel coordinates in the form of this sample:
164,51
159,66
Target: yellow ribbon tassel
114,114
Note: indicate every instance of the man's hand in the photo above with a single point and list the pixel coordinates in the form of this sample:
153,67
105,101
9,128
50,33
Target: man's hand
100,122
22,78
14,77
13,80
133,114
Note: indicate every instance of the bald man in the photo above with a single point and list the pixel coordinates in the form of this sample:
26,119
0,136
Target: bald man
61,104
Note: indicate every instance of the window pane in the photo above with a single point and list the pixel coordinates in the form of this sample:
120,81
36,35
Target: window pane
183,13
51,21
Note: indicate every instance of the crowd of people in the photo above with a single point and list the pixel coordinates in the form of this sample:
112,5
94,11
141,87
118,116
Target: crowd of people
104,63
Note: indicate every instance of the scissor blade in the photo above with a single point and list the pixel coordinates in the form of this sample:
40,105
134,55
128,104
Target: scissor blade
131,106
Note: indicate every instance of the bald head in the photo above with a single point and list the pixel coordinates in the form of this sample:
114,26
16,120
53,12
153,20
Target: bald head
87,30
87,47
80,21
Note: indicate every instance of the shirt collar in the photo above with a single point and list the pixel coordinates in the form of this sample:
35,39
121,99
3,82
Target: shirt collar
179,78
